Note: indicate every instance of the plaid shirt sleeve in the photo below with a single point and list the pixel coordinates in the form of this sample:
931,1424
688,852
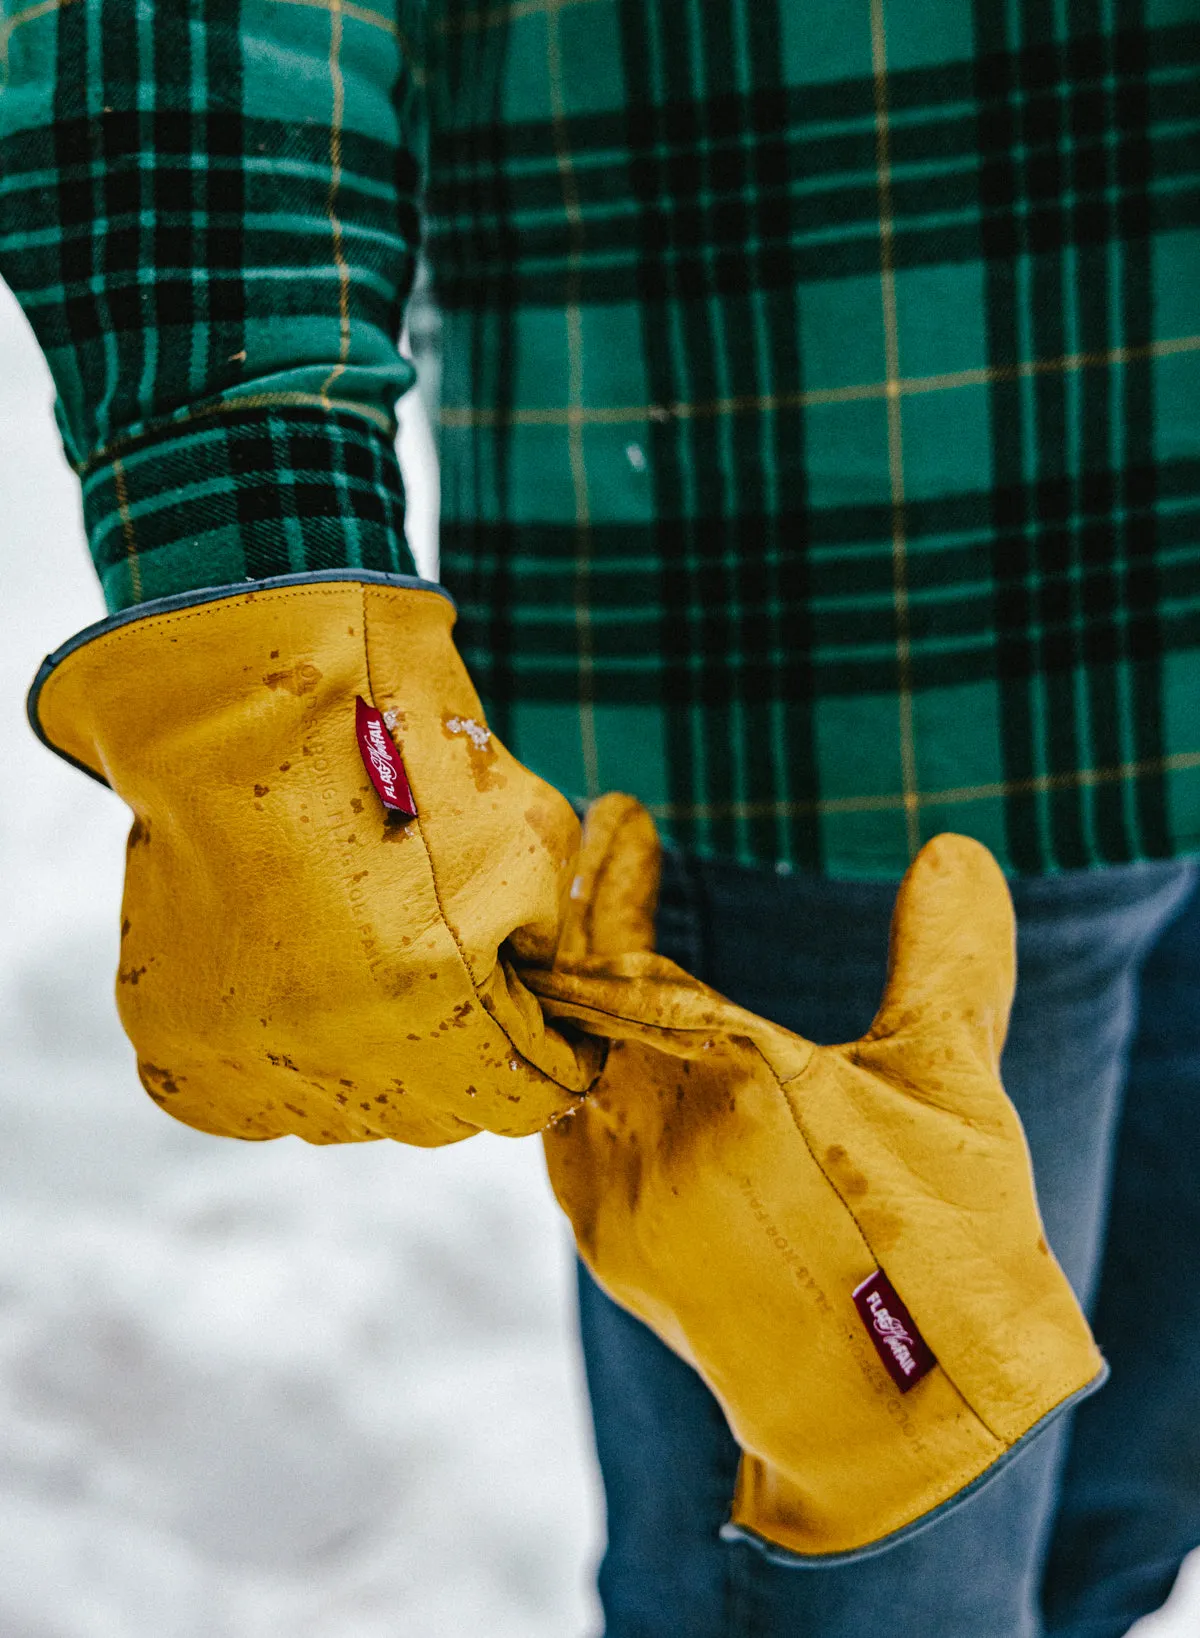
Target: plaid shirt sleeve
207,212
820,426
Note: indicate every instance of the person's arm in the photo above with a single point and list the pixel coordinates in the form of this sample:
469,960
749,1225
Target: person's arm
208,214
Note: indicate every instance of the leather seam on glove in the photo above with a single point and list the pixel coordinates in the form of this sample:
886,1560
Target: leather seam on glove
592,1011
785,1090
416,826
474,983
1044,1408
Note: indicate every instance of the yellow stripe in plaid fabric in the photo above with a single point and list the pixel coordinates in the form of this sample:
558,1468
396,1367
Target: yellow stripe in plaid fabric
821,409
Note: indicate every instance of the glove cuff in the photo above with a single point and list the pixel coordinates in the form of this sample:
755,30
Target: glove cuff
194,599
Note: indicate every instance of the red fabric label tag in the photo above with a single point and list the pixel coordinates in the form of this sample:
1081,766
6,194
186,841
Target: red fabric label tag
906,1355
381,759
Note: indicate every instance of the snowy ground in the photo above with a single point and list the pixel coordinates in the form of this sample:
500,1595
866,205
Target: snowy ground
246,1391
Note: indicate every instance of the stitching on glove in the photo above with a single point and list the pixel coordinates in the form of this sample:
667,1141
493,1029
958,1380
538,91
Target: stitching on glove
486,1010
1043,1407
367,648
784,1088
416,822
437,889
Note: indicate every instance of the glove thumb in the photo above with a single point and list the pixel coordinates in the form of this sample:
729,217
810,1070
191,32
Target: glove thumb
952,956
615,891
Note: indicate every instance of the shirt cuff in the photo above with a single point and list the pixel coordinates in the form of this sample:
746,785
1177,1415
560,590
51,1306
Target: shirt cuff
244,494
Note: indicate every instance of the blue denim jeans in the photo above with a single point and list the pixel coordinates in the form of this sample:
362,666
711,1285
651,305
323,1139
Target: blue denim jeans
1085,1531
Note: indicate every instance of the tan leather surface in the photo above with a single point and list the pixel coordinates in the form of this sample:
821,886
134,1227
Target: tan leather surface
732,1185
291,960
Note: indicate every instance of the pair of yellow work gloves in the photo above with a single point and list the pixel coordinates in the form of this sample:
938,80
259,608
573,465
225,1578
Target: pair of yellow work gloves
351,914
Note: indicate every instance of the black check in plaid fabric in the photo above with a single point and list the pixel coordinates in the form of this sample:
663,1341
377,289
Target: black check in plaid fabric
821,380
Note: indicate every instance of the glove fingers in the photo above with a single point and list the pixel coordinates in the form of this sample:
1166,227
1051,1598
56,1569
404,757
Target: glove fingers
644,997
615,892
952,958
606,977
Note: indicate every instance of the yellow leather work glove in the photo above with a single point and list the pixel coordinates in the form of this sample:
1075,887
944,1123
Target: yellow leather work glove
843,1241
317,895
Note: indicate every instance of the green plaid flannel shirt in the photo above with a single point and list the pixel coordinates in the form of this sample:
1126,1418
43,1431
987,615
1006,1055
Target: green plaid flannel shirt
820,418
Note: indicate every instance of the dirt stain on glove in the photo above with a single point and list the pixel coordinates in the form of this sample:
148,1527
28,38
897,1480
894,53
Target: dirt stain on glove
297,679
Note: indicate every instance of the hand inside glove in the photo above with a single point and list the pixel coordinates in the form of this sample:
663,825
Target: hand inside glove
844,1241
347,917
332,868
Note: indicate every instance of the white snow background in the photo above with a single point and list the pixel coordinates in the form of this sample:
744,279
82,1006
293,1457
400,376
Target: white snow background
248,1391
